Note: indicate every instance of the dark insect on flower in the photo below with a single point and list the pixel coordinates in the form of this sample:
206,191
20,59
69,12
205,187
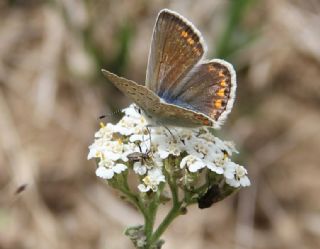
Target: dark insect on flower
138,156
212,196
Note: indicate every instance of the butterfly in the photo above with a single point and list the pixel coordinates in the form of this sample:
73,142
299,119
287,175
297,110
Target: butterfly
181,88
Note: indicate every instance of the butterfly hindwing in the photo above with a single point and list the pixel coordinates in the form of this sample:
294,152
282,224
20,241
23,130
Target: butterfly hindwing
209,89
175,48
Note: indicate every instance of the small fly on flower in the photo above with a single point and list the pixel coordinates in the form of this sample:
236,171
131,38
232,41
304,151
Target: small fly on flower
138,156
142,157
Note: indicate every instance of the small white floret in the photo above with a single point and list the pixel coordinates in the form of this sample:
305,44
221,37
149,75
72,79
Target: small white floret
139,168
193,163
104,173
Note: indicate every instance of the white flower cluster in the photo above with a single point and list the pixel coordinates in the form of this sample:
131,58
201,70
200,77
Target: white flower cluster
197,148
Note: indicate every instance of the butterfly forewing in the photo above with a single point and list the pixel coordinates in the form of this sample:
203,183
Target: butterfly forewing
175,48
141,95
159,112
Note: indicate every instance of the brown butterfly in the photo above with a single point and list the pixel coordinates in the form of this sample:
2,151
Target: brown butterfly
181,88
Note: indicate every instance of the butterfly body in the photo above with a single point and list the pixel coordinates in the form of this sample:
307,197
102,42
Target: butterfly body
181,88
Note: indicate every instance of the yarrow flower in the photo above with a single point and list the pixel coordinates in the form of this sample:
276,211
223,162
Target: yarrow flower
152,180
193,164
237,175
192,150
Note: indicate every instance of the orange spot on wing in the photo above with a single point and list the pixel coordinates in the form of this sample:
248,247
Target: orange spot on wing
206,122
184,34
223,83
211,68
190,41
221,92
218,103
221,73
203,120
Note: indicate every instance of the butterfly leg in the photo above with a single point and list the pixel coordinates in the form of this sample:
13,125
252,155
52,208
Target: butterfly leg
139,147
173,137
149,132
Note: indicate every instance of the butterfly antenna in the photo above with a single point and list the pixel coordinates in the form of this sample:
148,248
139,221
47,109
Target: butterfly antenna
174,138
139,147
149,132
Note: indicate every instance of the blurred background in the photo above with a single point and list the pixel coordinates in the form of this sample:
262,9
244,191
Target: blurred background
52,92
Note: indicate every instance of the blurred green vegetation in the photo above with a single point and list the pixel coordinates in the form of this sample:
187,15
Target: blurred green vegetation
235,35
123,39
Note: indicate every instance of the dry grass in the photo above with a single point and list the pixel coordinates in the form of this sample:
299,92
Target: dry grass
51,93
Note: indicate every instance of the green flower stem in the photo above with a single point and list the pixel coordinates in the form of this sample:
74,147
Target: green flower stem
174,212
150,218
123,187
172,182
135,200
125,180
187,197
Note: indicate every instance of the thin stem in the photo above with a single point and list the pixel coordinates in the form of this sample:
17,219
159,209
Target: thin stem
172,183
174,212
150,218
123,187
135,200
125,180
153,207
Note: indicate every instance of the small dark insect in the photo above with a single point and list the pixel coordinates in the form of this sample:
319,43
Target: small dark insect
21,188
138,156
212,196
